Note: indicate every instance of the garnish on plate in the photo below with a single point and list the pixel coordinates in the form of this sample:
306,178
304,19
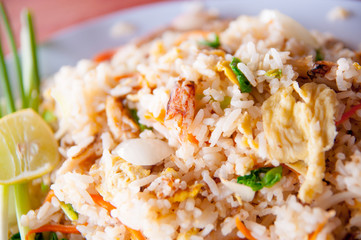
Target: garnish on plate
29,148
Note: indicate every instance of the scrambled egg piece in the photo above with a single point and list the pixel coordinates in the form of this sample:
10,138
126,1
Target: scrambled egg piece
299,125
187,235
182,195
114,174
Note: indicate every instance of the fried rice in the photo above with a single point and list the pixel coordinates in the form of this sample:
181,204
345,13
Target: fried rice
157,137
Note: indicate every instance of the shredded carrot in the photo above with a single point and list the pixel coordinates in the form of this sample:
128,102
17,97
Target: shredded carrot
54,228
127,75
313,235
348,114
192,138
242,228
137,235
104,56
98,199
49,196
186,35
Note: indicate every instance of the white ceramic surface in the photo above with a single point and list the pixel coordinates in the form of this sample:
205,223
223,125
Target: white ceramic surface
87,39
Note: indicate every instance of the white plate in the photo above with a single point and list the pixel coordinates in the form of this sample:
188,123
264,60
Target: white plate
87,39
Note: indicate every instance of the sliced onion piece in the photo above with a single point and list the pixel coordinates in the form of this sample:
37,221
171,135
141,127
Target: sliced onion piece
143,152
244,192
292,29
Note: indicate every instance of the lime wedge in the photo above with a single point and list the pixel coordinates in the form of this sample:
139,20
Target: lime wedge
28,148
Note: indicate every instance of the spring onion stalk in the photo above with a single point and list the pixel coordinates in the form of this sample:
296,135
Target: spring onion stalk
6,83
12,44
4,202
29,62
4,189
215,43
30,97
22,205
32,80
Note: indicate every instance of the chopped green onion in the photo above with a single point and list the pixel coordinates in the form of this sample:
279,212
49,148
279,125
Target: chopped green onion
134,115
272,177
69,211
319,55
39,236
261,177
49,116
276,73
53,236
226,101
213,44
12,44
16,236
244,84
44,187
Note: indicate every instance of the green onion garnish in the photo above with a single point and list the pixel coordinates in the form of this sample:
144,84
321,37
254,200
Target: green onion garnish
319,55
12,44
213,44
69,211
134,115
244,84
261,177
226,101
28,76
276,73
49,116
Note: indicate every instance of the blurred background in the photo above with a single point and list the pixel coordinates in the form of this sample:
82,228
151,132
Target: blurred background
54,15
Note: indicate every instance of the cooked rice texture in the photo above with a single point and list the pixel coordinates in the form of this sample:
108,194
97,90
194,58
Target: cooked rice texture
183,94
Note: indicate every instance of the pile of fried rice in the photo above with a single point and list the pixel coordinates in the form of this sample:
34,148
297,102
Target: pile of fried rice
211,129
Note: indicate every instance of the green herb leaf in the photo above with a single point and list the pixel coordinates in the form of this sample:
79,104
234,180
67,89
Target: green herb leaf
213,44
261,177
134,115
276,73
244,84
319,55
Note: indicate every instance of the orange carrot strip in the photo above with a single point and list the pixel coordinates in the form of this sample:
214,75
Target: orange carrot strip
137,235
348,114
186,35
127,75
98,199
192,138
50,195
104,56
313,235
244,230
54,228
